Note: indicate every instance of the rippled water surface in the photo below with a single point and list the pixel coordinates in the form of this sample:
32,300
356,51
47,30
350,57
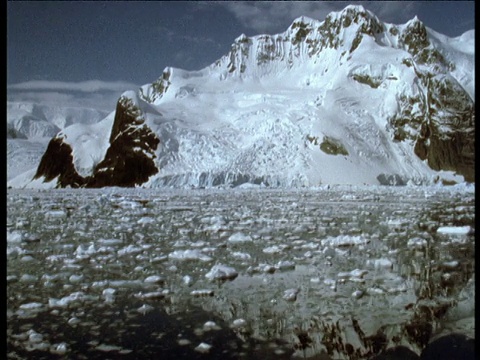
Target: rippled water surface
335,273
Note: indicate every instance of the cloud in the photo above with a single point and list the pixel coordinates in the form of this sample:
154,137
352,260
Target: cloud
94,94
172,36
83,86
276,16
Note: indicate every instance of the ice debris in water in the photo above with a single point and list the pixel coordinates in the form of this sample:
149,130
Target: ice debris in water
239,238
240,255
187,280
14,237
145,308
202,293
380,263
354,275
290,294
76,297
455,230
272,250
357,294
203,347
107,347
189,255
417,242
210,325
285,265
239,323
155,279
221,272
344,240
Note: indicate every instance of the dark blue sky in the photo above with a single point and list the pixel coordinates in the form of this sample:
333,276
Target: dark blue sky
133,41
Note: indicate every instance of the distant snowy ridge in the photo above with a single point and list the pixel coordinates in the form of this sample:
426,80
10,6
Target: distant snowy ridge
30,120
348,100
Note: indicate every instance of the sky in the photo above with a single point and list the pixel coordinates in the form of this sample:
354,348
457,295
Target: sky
87,53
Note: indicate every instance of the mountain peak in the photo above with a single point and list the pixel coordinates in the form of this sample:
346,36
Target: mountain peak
303,20
346,100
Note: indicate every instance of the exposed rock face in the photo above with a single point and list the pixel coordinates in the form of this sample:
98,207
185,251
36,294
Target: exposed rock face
127,163
58,162
129,159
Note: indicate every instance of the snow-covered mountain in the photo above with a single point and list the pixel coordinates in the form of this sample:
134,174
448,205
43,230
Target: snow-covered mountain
347,100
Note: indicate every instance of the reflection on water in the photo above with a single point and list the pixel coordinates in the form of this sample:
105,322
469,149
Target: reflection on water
257,274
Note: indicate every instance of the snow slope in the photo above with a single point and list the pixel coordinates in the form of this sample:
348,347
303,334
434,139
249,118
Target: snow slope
272,109
30,127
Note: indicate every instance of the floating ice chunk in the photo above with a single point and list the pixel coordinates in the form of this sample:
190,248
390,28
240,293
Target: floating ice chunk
310,246
239,323
76,297
55,214
99,284
241,255
189,255
34,337
344,240
59,349
272,250
210,325
354,275
126,204
108,242
12,278
108,294
146,220
107,348
145,308
397,224
203,348
357,294
73,321
285,265
455,230
15,250
155,279
85,250
27,258
450,265
375,291
221,272
381,263
330,282
268,269
202,293
417,242
76,278
31,306
239,238
56,258
290,294
27,278
130,249
14,237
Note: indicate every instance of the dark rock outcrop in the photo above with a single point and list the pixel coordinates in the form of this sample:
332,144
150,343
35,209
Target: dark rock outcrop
447,134
129,159
128,162
58,162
